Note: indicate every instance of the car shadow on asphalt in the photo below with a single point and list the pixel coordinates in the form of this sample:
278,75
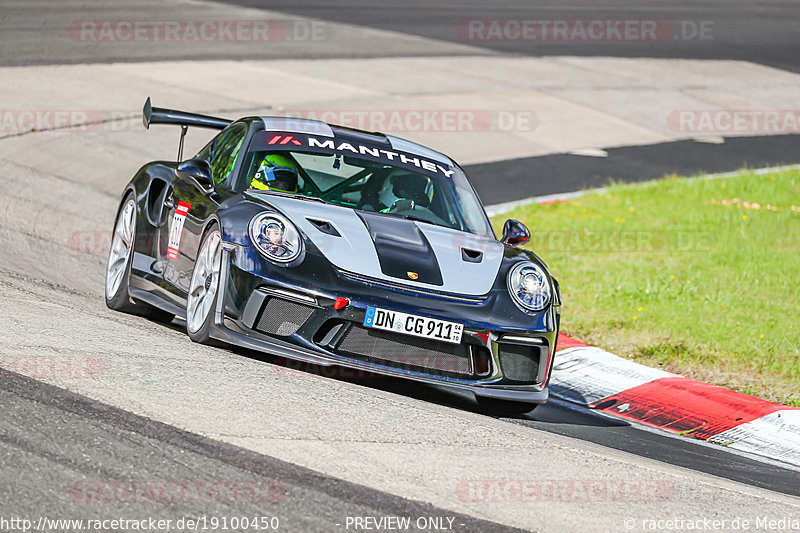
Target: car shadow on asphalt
553,413
559,417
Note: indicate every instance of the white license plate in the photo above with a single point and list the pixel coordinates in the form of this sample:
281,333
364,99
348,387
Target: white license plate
418,326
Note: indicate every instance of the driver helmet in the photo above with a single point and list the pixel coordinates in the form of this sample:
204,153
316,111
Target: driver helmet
276,173
414,187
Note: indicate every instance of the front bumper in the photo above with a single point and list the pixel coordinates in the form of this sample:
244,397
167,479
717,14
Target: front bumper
481,365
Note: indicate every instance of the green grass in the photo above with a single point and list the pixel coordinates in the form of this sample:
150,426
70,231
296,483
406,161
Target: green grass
679,274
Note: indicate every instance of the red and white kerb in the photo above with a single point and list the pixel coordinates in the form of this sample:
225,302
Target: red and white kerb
600,380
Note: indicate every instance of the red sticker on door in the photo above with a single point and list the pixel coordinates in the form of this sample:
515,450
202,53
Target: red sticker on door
177,228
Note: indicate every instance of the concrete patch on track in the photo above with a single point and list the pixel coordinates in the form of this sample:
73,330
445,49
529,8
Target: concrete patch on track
515,107
103,31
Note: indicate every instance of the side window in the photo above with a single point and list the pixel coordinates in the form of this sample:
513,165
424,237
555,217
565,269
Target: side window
205,153
224,151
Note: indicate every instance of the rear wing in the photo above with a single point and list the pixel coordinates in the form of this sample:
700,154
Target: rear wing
159,115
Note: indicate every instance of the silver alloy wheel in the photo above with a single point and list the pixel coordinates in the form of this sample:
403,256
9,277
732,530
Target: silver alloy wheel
205,279
121,245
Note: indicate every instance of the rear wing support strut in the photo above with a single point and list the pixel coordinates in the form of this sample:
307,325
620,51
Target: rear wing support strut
159,115
184,129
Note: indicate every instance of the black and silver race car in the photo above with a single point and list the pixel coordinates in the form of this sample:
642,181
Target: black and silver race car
336,247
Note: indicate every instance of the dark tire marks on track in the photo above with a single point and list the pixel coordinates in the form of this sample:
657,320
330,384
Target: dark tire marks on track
58,438
515,179
762,32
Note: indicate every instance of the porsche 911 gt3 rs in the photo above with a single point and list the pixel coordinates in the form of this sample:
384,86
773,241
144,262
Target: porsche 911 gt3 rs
336,247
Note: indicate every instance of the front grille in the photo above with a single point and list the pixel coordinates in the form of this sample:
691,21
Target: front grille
519,362
407,353
282,317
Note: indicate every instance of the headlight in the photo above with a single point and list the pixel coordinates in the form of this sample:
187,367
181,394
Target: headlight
275,237
529,286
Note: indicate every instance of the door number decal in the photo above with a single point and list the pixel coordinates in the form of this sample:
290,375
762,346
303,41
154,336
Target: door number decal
177,228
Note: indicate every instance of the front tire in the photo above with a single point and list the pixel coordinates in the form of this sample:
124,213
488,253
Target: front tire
118,267
201,302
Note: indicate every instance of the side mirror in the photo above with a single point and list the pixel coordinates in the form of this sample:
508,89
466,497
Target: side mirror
515,233
199,172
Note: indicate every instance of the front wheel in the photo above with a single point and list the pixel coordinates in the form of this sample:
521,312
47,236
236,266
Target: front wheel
203,288
118,268
119,258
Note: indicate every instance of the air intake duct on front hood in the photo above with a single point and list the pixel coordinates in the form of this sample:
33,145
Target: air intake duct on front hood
403,251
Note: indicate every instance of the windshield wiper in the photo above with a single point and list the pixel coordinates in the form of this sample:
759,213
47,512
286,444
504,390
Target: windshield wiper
304,197
412,217
296,195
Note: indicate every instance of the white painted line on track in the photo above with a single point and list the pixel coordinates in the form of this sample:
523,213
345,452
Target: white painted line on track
505,207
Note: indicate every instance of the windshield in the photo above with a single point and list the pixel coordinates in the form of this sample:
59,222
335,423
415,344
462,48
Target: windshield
369,185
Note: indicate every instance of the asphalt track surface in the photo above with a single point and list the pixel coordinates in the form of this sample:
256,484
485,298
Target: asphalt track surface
762,32
560,173
108,443
575,421
51,438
